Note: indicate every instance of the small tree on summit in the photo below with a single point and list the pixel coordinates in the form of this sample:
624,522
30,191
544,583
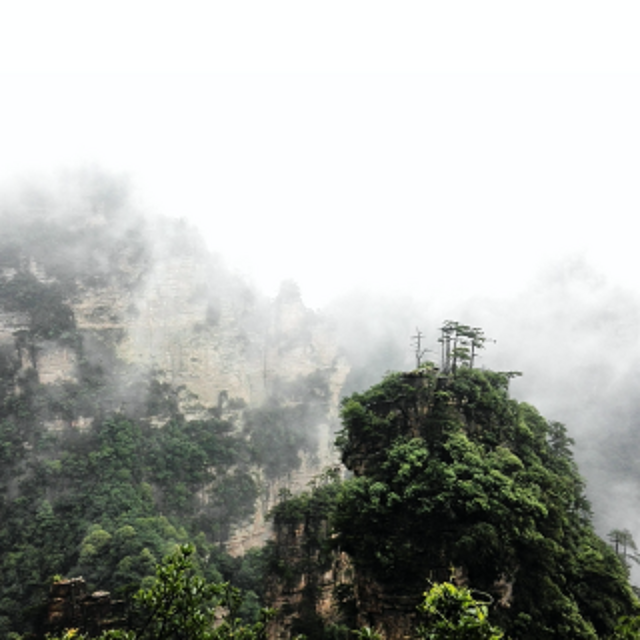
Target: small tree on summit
625,547
419,351
460,345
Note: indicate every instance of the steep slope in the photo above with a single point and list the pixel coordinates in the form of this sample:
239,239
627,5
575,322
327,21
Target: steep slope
451,478
148,395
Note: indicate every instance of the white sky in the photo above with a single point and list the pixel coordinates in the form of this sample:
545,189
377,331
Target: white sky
440,148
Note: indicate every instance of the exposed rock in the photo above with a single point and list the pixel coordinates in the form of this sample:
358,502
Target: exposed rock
258,530
309,588
55,363
183,319
71,607
304,589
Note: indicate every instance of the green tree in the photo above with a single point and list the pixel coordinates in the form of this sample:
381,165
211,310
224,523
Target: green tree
460,345
453,613
625,547
628,628
181,605
450,471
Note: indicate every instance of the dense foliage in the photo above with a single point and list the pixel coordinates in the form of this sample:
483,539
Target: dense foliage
301,555
449,471
180,603
102,472
110,502
107,465
454,613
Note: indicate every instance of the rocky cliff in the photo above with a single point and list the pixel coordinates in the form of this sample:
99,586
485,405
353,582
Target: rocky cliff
450,475
98,304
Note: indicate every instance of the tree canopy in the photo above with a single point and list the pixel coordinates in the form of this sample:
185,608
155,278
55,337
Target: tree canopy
180,603
449,471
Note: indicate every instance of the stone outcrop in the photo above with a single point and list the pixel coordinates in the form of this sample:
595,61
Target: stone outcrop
71,607
303,587
202,328
258,530
55,363
324,590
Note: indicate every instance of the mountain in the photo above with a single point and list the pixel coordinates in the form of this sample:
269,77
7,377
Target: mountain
148,395
452,480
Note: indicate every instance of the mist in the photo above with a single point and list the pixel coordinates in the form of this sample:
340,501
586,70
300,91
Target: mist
572,329
573,334
285,195
125,315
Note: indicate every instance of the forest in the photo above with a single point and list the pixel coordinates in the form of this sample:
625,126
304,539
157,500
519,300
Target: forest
454,482
151,403
108,460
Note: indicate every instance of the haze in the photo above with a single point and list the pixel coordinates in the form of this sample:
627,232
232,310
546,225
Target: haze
434,151
477,161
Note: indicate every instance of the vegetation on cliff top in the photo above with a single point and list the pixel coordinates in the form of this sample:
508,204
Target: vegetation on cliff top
449,471
465,476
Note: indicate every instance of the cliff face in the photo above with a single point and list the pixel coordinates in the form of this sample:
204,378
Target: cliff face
316,584
217,340
311,581
445,469
71,607
98,305
214,341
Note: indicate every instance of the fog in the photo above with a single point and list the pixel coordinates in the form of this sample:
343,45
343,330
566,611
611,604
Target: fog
403,166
